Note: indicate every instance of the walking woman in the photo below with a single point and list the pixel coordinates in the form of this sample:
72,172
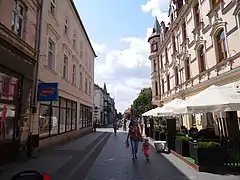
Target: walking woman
135,136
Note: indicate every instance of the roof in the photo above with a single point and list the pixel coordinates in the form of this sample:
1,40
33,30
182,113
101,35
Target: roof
156,31
84,30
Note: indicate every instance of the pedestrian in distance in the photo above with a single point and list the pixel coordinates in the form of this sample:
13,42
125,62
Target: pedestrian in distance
146,148
135,136
115,128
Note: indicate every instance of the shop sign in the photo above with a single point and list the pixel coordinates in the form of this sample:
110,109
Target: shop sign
48,92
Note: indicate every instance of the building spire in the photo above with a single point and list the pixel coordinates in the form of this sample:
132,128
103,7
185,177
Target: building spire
104,87
156,27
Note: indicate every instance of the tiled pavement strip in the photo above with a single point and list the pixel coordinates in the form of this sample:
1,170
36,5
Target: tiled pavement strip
113,163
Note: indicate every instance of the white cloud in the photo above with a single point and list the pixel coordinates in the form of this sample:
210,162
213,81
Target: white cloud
99,48
126,71
157,8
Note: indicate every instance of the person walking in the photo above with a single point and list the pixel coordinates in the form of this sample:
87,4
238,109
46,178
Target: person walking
146,148
115,128
135,136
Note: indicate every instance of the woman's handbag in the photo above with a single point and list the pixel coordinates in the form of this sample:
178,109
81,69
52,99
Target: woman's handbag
127,144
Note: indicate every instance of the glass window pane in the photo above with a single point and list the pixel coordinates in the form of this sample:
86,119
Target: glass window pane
74,119
69,118
62,120
63,102
44,120
55,103
80,116
69,104
55,120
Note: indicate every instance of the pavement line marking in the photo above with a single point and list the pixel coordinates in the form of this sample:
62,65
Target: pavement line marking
85,158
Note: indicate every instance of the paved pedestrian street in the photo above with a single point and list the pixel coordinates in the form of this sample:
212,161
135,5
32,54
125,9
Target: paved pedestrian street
103,156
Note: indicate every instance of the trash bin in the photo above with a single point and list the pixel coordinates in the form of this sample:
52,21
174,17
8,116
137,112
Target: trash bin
160,146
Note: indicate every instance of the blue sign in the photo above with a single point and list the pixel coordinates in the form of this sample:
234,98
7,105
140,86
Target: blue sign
48,92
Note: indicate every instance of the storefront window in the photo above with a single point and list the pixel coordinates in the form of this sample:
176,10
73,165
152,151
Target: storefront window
55,120
85,116
44,124
62,115
8,87
74,116
80,116
7,114
69,115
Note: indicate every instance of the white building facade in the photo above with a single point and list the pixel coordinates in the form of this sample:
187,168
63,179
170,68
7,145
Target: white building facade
98,113
198,48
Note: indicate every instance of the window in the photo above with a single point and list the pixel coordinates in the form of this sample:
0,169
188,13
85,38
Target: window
74,115
163,89
238,16
80,117
17,18
154,46
197,15
176,76
187,69
74,74
156,88
172,19
215,3
161,61
154,65
86,85
174,43
81,81
68,116
53,8
66,27
221,45
81,50
166,56
184,31
63,106
201,59
74,39
65,67
168,82
51,54
90,88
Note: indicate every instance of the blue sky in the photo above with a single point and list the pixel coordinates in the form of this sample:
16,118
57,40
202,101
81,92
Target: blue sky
118,30
107,21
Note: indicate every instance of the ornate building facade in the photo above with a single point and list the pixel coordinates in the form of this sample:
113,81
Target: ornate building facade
198,48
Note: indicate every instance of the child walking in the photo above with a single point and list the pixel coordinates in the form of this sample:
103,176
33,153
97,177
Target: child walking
146,148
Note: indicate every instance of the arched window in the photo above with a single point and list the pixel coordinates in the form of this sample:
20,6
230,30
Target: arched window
201,59
221,46
156,88
154,65
154,46
176,76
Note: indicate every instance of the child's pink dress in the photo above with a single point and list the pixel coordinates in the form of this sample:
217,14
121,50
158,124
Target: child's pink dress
146,149
146,152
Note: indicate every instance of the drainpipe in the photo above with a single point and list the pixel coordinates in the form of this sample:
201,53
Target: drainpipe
35,80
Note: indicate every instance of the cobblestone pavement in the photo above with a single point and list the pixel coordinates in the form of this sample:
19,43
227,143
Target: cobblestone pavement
115,163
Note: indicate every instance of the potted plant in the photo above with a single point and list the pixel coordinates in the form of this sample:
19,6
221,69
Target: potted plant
182,145
208,153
